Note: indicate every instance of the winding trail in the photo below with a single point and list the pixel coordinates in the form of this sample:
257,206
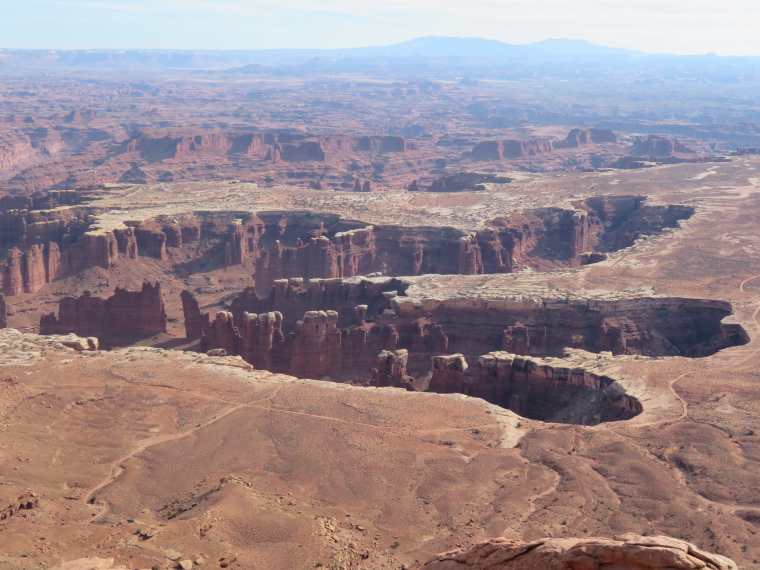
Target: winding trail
117,469
743,283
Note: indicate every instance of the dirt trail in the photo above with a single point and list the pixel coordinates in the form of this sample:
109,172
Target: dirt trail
117,469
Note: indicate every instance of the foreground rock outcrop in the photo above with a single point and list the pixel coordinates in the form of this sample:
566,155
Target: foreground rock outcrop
626,552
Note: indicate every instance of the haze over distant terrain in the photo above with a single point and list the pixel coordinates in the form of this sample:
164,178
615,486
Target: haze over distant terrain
671,26
443,53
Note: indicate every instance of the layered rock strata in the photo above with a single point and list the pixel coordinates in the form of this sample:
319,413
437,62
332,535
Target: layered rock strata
124,313
659,146
551,389
504,149
577,138
391,370
445,339
626,552
281,245
155,145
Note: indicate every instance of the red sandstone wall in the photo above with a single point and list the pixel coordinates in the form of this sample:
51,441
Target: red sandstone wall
124,313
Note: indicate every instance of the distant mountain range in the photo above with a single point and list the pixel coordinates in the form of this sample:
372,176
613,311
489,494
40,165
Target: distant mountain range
444,46
439,50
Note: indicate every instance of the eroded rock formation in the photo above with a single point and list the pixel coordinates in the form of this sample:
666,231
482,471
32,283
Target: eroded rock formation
580,137
443,339
159,145
21,506
277,245
659,146
551,389
391,370
463,182
500,150
626,552
124,313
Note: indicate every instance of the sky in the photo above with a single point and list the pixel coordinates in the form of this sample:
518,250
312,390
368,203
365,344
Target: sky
655,26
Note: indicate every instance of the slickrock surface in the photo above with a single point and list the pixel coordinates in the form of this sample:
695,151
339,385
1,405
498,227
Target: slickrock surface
89,564
626,552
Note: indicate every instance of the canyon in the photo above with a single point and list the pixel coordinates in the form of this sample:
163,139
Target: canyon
350,316
47,245
351,321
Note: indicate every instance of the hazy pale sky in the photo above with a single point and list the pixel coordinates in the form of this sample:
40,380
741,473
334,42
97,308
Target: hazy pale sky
664,26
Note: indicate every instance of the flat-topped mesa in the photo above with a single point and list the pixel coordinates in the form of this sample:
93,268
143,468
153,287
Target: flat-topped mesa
577,138
551,389
659,146
326,148
505,149
170,144
124,313
26,227
463,182
49,200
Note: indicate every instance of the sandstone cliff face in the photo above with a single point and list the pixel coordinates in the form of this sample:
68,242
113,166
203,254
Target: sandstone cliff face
337,328
28,271
155,145
124,313
448,374
659,146
626,552
577,138
3,313
391,370
651,326
195,321
277,245
292,298
505,149
551,390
